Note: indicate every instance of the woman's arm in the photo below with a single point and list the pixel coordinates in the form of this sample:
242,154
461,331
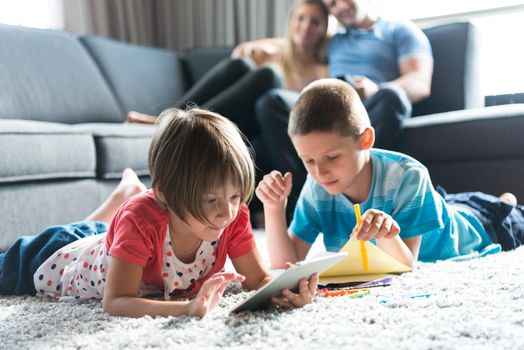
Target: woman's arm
261,51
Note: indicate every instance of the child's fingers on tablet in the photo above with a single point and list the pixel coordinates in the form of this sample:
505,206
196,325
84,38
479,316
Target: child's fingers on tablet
312,285
282,302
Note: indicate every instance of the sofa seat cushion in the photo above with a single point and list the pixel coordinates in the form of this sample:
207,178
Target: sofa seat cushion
32,150
466,135
120,146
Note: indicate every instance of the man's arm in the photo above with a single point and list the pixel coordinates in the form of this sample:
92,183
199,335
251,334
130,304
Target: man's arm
415,77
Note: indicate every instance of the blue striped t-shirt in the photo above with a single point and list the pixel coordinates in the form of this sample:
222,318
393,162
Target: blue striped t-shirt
400,187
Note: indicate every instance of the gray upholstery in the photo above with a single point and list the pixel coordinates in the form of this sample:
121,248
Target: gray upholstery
482,128
47,75
28,207
120,146
470,150
197,61
455,83
157,78
32,150
53,173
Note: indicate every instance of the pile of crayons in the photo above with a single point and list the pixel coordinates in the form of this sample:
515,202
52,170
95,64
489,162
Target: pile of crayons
351,293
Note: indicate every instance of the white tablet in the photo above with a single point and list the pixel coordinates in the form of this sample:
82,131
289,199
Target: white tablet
289,279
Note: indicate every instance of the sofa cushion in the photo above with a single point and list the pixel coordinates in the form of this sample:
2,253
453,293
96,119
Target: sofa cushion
47,75
144,79
32,150
455,83
120,146
469,135
198,61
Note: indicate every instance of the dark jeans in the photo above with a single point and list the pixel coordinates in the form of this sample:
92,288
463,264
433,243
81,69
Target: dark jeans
232,88
504,223
386,110
20,261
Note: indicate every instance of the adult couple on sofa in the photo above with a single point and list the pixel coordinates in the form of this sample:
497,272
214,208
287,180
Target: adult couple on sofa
388,63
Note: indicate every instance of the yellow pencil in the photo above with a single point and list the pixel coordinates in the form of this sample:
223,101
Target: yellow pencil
363,250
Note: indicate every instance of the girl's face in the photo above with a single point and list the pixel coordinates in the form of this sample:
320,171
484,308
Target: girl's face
307,26
220,208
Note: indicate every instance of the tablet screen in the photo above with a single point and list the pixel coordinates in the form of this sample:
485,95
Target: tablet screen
261,299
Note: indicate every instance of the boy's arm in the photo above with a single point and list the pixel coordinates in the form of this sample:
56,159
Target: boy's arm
405,251
283,247
381,226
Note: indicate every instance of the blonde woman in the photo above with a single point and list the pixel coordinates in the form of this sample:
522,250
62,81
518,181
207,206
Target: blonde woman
300,57
233,86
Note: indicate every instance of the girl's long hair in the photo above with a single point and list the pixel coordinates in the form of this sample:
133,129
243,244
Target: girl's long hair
290,60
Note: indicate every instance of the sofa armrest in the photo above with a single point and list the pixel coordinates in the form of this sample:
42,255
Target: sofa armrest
470,150
480,133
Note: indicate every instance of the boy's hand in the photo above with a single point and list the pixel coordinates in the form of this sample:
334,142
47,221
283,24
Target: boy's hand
306,293
211,293
274,189
376,224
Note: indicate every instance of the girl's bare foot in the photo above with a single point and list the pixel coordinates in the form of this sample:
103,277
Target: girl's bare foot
127,188
129,185
508,198
140,118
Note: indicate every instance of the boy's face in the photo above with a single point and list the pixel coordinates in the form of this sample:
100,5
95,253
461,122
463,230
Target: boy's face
334,161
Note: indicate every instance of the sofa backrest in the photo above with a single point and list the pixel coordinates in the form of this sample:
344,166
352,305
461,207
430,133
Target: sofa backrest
456,74
197,61
143,79
47,75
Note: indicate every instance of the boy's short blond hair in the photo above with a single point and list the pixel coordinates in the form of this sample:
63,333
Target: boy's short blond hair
192,153
328,105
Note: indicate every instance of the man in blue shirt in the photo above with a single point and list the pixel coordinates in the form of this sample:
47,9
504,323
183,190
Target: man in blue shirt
388,63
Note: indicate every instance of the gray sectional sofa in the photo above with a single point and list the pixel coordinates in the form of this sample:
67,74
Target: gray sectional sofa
63,100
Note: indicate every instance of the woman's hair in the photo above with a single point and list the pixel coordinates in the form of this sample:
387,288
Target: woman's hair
290,59
192,153
328,105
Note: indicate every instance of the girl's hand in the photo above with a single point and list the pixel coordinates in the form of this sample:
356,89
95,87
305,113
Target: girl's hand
376,224
211,293
306,293
274,189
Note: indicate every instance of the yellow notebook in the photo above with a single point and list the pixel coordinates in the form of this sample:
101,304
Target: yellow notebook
350,269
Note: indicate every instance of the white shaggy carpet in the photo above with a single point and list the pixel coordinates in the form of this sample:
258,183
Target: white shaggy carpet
477,304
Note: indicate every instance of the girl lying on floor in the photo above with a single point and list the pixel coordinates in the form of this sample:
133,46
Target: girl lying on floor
172,239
